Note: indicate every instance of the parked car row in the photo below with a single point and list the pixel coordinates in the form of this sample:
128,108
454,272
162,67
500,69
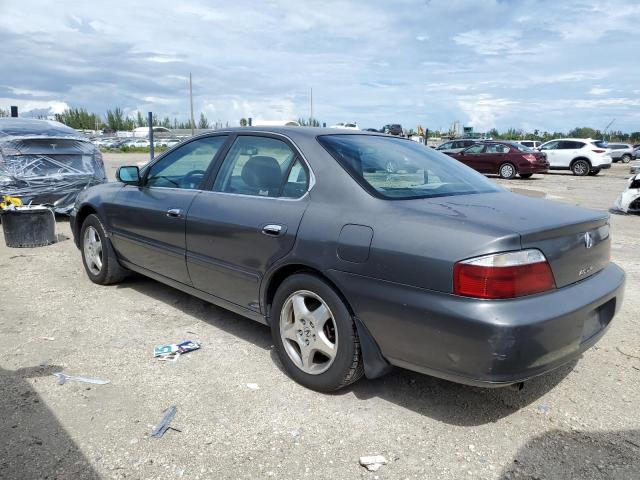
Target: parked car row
134,142
508,159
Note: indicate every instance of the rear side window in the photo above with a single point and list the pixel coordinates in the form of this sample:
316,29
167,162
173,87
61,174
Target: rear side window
399,169
497,148
570,145
256,166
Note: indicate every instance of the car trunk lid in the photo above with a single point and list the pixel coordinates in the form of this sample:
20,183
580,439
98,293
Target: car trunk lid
574,240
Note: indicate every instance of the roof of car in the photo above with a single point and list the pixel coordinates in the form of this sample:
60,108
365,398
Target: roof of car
299,131
25,127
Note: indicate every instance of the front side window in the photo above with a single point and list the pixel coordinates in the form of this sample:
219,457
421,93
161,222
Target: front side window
394,168
255,166
186,166
550,146
444,146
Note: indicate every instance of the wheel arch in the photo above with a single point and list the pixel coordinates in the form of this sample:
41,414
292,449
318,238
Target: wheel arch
586,159
83,212
375,365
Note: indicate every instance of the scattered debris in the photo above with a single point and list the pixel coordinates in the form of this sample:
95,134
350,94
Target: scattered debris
172,351
373,462
62,379
253,386
51,339
163,426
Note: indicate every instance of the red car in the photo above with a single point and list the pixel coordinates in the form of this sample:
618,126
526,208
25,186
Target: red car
506,159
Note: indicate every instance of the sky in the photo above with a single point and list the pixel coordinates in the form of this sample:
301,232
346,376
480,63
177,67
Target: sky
547,65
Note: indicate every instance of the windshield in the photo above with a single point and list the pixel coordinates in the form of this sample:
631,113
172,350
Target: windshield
396,168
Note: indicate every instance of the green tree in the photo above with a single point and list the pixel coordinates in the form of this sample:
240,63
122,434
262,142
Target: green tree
140,120
203,123
4,113
79,118
243,122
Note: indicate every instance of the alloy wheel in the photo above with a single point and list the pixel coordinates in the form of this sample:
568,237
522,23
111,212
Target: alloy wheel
507,171
308,332
580,167
92,249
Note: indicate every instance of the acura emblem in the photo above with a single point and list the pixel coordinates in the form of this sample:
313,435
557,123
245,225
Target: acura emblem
588,240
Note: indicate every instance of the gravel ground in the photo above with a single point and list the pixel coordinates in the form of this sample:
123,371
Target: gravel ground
579,422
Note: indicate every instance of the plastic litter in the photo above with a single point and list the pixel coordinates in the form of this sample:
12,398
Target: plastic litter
171,352
373,462
163,426
253,386
62,379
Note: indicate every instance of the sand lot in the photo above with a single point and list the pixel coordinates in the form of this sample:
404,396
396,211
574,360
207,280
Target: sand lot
582,421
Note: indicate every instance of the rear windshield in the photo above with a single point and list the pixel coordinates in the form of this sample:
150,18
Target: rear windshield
519,146
600,143
395,168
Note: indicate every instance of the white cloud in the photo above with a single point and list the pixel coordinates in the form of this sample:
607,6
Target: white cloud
599,91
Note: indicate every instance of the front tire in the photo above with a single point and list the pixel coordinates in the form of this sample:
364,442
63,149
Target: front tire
98,257
580,168
314,334
626,158
507,171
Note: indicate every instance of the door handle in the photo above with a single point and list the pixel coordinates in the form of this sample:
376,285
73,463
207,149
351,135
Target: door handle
174,213
273,230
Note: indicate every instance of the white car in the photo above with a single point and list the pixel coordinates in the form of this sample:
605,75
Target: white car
581,156
138,142
347,126
529,143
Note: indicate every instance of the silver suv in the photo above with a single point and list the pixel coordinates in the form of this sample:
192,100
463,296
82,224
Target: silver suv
621,152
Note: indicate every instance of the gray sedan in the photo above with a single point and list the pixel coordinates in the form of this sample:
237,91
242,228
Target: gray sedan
356,268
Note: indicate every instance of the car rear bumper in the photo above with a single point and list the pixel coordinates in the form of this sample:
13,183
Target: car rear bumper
534,168
484,342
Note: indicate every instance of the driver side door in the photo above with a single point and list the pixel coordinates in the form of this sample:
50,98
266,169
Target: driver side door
149,220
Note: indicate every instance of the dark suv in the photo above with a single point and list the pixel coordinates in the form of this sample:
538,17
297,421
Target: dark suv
393,129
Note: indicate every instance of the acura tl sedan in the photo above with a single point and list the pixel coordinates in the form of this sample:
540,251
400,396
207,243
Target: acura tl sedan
430,267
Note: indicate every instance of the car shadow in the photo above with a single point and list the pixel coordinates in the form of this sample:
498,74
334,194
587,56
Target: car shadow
578,454
445,401
34,444
237,325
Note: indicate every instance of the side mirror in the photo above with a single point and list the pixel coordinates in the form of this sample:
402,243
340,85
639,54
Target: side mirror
128,175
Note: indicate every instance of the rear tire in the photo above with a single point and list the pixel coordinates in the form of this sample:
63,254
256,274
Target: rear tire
626,158
98,257
580,167
526,175
507,171
308,318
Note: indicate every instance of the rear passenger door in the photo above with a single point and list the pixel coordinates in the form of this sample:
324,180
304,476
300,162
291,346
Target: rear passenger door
247,219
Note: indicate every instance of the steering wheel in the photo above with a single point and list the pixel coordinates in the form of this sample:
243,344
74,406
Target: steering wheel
192,179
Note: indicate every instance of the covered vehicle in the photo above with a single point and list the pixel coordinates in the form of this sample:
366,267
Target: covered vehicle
428,266
46,163
629,200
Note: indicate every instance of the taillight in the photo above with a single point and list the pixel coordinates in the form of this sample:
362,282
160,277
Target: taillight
598,150
503,275
530,157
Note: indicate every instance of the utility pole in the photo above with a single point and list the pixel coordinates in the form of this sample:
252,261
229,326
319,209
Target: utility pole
193,122
311,103
150,122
